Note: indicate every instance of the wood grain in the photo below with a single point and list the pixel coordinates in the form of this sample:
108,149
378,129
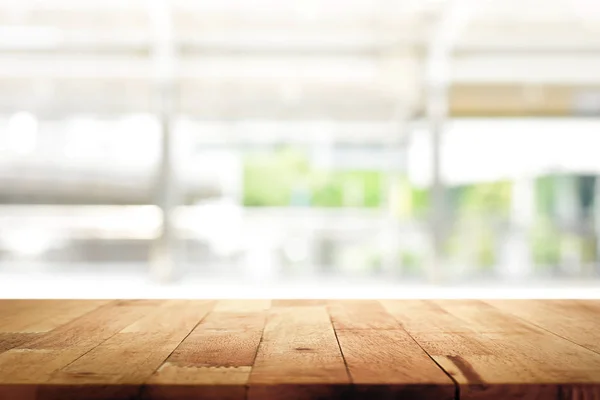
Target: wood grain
44,315
31,364
12,340
360,314
452,316
495,355
127,359
242,306
299,349
299,357
571,319
390,364
299,303
215,360
34,361
173,382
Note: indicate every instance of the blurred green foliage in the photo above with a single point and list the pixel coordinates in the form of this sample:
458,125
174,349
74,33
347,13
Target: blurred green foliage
420,201
411,262
545,188
269,178
272,179
285,177
475,208
545,242
489,199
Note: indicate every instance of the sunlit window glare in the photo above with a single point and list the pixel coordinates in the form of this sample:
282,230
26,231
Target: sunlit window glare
401,142
22,133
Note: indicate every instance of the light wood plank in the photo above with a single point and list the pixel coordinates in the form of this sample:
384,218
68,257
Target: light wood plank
24,366
452,316
29,365
66,312
233,321
222,340
173,382
214,361
16,313
299,302
118,367
509,361
390,364
34,316
172,316
299,357
242,306
73,339
360,314
11,340
575,320
182,349
93,328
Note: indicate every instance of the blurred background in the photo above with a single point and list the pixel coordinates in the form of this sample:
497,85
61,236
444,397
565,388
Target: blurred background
413,142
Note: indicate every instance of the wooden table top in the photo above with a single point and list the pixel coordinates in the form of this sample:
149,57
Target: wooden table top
299,349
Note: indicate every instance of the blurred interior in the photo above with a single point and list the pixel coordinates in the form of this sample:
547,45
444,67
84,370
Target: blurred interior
449,142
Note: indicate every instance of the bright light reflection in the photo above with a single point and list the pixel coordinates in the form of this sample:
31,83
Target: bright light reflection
22,133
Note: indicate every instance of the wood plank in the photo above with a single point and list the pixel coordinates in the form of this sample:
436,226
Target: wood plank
62,314
506,361
11,340
93,328
390,364
299,302
575,320
215,360
13,312
172,316
521,366
172,382
452,316
288,349
360,314
34,363
24,370
299,357
117,368
8,305
242,306
31,316
114,370
222,340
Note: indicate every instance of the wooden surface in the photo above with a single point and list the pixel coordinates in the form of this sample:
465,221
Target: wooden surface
299,349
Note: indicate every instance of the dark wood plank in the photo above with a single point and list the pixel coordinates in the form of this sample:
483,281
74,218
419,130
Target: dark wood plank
299,357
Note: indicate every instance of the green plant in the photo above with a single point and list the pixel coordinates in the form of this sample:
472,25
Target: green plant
545,242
